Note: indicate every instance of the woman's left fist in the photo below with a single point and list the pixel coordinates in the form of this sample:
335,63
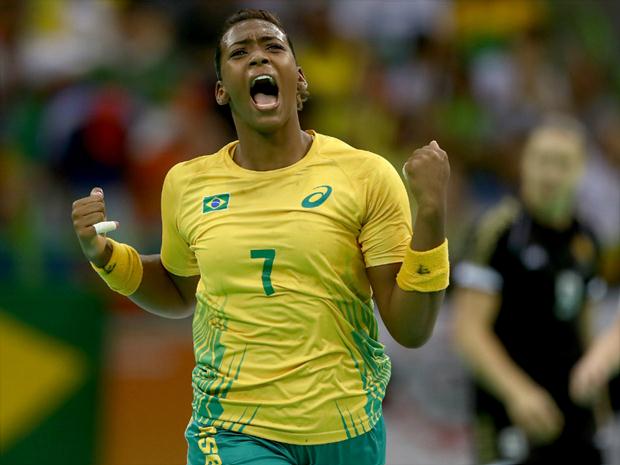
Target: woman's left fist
428,171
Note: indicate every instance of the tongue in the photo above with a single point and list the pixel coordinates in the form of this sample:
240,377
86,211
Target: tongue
265,100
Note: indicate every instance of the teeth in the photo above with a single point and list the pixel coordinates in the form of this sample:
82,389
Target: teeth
262,77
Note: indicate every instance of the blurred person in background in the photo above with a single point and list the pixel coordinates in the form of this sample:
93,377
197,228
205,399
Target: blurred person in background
522,309
277,244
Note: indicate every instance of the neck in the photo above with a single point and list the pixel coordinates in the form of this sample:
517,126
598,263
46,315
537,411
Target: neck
557,216
269,151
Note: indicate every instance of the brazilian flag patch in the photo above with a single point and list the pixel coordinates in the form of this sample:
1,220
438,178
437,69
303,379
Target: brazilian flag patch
215,202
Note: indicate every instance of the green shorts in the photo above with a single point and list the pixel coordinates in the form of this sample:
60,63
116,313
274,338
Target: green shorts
211,446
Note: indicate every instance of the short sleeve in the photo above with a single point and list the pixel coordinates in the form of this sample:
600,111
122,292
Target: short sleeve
386,228
485,259
176,254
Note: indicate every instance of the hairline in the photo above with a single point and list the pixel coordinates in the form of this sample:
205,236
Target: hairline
559,124
218,56
251,19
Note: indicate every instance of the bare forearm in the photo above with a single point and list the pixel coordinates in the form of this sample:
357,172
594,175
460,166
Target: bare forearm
158,293
611,348
412,314
430,227
488,358
607,349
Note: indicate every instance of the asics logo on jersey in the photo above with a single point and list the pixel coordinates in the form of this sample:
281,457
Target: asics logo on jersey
216,202
317,198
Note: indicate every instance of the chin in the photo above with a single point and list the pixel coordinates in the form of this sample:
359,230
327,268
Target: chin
267,127
264,122
268,123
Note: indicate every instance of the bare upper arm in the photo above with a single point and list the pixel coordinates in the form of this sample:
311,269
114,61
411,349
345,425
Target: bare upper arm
163,293
382,279
473,307
186,286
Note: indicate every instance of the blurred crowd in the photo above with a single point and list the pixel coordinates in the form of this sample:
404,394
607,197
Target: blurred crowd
113,93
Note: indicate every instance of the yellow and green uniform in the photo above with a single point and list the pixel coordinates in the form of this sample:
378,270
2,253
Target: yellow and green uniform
285,337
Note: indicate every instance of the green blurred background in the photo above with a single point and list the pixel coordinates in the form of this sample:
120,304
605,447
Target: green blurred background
113,93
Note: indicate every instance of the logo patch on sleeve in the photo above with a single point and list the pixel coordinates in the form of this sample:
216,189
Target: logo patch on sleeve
216,202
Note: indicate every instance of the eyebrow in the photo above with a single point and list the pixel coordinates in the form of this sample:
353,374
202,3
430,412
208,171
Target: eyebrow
260,39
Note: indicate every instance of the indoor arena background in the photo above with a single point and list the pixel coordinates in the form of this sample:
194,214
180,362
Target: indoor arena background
113,93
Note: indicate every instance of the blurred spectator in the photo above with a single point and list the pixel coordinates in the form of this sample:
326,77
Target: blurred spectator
522,315
65,38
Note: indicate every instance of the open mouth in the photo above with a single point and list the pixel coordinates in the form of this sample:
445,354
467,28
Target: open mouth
264,92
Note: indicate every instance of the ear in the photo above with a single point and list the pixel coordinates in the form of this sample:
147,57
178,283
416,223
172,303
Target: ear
302,89
301,79
221,95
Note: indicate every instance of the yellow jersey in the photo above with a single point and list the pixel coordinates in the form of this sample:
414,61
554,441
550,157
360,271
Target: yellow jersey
285,337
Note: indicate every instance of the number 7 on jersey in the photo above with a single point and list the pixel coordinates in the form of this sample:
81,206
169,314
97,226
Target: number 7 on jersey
269,255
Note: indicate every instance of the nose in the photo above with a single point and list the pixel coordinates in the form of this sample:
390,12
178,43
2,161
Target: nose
259,58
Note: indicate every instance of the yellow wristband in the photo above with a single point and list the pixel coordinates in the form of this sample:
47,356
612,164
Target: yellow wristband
427,271
123,272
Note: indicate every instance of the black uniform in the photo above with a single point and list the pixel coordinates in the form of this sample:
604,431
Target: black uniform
543,276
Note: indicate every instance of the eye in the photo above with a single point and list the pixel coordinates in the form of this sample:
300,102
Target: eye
237,53
275,47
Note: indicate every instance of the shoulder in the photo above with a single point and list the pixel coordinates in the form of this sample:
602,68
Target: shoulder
585,244
501,216
585,229
180,173
356,161
493,225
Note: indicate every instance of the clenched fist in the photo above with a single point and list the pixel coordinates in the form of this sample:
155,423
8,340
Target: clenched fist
536,413
428,170
85,214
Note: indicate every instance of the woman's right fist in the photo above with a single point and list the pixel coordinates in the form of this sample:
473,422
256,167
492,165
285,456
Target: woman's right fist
85,214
